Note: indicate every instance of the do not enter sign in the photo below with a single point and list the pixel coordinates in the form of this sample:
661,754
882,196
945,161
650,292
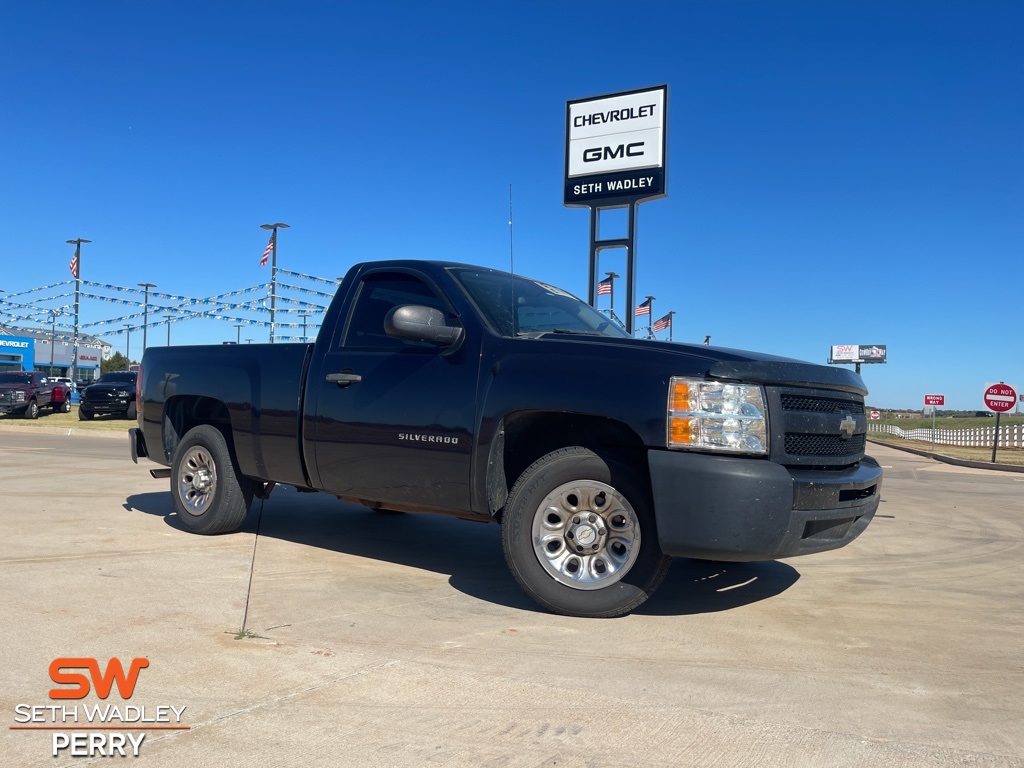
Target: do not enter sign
1000,398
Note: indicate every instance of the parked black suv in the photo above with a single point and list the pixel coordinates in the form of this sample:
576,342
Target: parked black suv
112,393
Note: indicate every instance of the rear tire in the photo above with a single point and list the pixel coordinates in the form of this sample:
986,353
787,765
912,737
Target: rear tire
579,535
210,493
63,407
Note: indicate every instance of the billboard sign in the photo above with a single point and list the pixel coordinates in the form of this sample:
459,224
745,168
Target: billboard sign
615,147
856,353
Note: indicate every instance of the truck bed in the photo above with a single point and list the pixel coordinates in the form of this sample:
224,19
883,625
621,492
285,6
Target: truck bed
254,388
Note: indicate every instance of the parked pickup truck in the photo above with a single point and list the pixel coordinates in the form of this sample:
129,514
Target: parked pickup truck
113,393
441,387
26,392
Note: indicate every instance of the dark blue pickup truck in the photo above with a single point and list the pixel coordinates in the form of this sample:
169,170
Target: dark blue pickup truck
441,387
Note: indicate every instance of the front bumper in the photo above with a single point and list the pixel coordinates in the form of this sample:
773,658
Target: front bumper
8,408
106,406
742,509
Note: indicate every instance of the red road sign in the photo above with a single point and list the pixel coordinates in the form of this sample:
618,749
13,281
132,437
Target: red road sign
1000,398
876,415
934,399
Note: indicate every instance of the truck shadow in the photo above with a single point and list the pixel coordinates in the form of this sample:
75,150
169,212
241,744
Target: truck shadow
471,554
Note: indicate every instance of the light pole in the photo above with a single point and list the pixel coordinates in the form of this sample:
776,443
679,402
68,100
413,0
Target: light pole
239,338
76,270
128,347
168,318
304,316
145,313
273,270
53,338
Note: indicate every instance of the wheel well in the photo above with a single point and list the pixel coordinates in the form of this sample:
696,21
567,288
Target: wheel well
183,413
526,436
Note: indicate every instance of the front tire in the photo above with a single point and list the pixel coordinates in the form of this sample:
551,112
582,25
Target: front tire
579,535
84,415
210,494
132,412
32,411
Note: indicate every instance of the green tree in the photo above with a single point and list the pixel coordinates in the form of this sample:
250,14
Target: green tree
117,362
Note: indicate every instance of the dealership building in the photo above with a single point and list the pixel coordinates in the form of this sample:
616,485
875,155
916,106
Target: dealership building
30,349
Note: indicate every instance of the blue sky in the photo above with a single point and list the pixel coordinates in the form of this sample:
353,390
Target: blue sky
842,172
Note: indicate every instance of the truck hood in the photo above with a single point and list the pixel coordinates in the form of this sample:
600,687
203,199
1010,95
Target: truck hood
734,364
15,388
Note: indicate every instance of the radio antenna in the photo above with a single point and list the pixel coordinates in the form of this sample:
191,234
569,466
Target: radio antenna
512,266
511,257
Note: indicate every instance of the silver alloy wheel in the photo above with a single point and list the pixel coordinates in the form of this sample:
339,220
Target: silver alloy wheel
197,480
586,535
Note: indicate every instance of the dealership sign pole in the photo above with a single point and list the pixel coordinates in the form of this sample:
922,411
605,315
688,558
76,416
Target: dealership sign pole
615,158
1000,398
934,400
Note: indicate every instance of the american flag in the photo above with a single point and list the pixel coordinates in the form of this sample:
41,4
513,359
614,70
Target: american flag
663,323
74,265
604,288
643,309
266,251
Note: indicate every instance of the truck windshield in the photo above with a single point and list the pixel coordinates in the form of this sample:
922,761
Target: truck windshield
539,308
124,376
15,378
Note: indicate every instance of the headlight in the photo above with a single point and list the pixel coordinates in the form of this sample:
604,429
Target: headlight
19,396
716,416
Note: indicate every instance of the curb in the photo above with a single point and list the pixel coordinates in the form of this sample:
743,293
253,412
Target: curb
67,431
950,459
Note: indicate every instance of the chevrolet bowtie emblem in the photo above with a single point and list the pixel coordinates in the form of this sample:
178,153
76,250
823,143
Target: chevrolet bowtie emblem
847,426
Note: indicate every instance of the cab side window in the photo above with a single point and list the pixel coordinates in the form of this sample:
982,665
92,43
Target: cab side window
378,294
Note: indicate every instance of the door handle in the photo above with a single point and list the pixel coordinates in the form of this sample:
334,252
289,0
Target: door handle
344,379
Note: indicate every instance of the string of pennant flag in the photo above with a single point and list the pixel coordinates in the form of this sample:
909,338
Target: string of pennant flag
40,288
215,307
313,278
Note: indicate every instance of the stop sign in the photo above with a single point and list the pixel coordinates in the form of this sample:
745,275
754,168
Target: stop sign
1000,398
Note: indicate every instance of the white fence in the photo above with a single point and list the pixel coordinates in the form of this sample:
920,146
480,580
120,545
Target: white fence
1010,436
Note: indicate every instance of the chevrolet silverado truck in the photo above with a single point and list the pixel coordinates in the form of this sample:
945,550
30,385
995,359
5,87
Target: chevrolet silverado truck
27,392
442,387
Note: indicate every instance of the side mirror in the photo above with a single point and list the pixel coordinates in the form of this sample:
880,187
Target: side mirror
413,322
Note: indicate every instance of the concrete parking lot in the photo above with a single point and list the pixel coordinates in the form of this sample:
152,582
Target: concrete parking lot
338,636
